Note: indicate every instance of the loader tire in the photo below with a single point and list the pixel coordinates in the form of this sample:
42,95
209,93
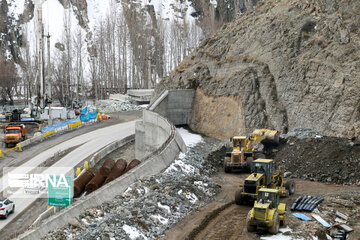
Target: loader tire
274,229
282,222
227,169
249,226
238,197
290,186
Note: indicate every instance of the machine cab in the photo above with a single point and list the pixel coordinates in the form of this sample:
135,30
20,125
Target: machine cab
266,195
264,166
238,142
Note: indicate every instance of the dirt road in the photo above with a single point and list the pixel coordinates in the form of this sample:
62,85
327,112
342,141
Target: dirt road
222,219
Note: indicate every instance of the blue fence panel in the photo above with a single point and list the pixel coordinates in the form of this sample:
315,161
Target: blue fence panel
84,110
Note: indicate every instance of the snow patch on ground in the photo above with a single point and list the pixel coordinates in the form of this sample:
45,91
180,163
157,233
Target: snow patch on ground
284,230
278,236
190,139
167,208
281,236
132,232
179,165
160,219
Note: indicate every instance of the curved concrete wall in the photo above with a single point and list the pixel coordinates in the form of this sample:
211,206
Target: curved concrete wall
167,150
175,105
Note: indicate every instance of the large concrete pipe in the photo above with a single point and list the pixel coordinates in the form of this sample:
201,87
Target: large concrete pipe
132,164
82,180
106,167
117,170
95,183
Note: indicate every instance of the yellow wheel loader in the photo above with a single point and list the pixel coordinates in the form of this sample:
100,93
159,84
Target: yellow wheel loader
267,212
263,176
246,149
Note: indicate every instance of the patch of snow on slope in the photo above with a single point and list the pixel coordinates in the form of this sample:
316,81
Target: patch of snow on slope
190,139
132,232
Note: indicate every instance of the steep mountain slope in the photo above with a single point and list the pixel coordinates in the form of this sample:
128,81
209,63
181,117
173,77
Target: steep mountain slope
283,65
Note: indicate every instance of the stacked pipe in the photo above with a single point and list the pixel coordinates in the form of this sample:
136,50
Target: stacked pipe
306,203
97,181
82,180
117,170
131,165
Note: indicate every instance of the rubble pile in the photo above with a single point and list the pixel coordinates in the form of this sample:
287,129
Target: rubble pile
325,159
347,203
301,133
152,205
110,106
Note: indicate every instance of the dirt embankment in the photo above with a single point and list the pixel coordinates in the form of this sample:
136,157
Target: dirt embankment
326,159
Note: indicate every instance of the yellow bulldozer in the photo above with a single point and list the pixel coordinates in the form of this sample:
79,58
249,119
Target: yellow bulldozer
267,212
263,176
246,149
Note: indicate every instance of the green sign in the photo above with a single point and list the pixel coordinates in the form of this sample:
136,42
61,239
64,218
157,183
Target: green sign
60,190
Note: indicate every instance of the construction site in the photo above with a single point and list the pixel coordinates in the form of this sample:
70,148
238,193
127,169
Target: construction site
255,134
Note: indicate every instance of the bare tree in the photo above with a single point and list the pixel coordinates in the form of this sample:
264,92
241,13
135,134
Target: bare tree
8,80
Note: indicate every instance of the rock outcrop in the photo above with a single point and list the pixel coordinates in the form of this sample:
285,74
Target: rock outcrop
283,65
213,14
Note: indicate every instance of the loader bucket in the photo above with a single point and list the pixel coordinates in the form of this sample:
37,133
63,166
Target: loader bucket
270,136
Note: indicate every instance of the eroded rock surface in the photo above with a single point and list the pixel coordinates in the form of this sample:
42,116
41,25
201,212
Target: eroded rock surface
286,65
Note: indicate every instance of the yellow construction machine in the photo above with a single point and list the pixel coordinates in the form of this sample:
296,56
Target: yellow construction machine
267,212
263,176
246,149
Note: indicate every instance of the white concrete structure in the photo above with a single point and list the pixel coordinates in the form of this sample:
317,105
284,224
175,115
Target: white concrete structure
91,143
56,112
165,152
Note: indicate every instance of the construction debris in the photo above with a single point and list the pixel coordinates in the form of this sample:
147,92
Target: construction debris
320,220
302,216
340,235
306,203
346,228
341,215
111,106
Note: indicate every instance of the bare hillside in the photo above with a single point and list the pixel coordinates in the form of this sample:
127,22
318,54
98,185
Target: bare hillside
284,65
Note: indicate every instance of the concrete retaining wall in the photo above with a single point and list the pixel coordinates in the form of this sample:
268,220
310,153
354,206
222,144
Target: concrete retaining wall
154,163
175,105
151,133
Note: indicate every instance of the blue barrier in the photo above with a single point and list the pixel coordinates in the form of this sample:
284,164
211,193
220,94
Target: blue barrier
59,125
87,117
84,110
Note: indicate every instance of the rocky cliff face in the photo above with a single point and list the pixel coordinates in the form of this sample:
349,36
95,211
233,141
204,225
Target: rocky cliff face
214,13
283,65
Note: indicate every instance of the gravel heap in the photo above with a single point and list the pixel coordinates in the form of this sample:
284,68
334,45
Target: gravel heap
325,159
152,205
302,133
109,106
